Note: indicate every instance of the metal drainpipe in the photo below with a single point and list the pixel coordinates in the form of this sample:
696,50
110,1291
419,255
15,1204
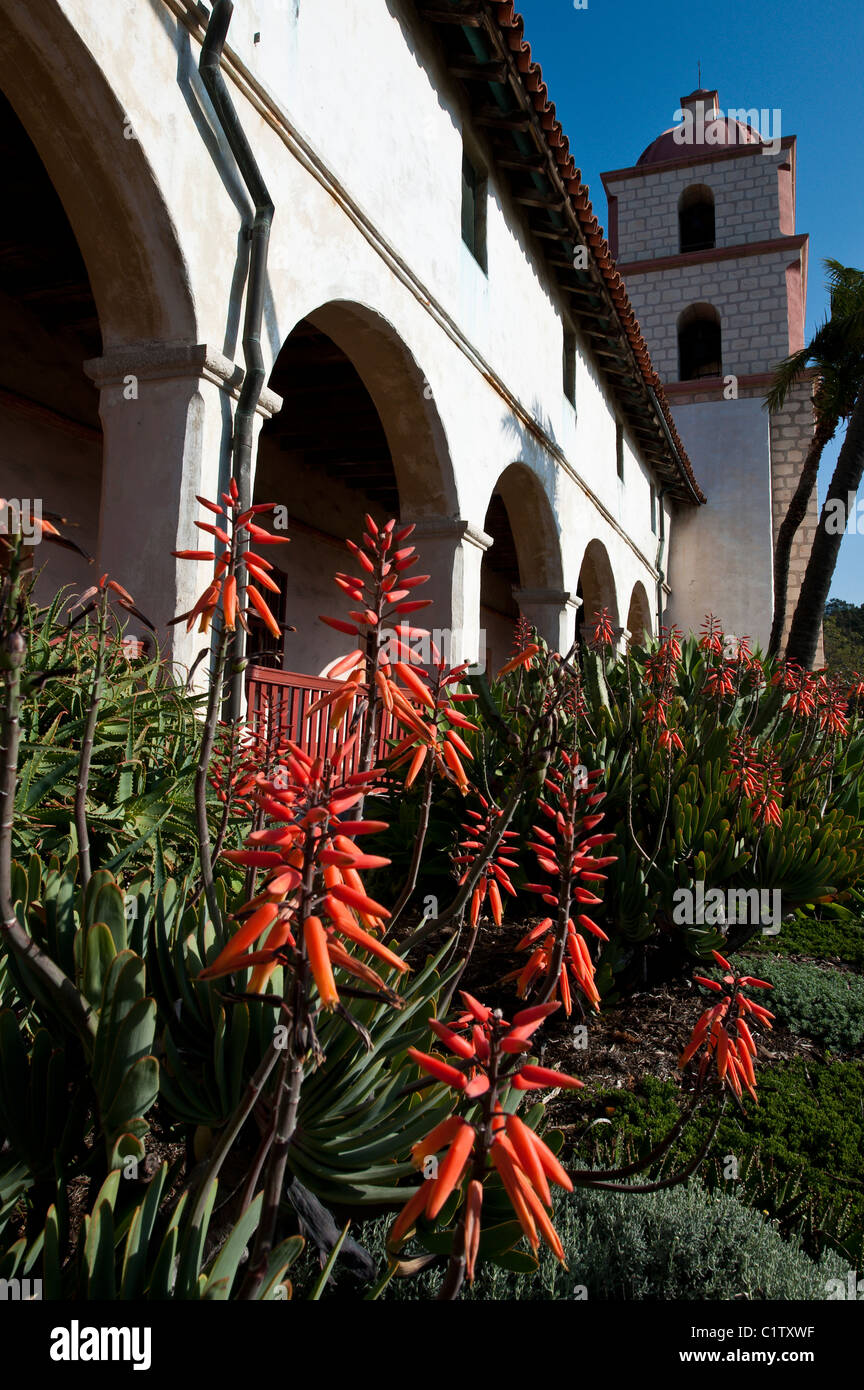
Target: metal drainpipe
663,492
661,547
259,236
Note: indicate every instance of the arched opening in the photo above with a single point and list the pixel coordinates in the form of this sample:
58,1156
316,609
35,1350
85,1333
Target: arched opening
90,262
50,432
499,579
639,615
524,555
596,588
356,433
696,227
102,177
699,343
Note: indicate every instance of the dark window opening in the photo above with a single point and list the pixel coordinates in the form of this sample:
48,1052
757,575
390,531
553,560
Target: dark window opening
653,509
696,219
699,346
570,366
474,210
499,577
619,449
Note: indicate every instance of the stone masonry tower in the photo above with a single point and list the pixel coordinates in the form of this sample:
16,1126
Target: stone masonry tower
703,228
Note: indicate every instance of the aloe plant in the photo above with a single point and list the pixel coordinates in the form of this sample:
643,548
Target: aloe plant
144,1252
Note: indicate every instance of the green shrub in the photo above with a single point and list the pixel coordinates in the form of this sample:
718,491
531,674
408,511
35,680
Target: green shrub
709,776
824,1004
681,1243
808,1126
144,751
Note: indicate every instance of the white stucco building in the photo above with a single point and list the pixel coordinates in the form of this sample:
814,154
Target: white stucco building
445,334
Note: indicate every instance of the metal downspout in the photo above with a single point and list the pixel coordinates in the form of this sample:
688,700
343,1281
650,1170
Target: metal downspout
661,548
259,237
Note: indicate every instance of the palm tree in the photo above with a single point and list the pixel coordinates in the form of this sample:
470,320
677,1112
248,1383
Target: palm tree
804,632
838,369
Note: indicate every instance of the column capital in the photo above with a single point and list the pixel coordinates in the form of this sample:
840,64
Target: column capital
173,361
555,598
448,528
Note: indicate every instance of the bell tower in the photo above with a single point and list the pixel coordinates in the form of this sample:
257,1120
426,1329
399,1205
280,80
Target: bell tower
703,229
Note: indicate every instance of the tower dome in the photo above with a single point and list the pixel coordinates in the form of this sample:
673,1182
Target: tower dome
703,124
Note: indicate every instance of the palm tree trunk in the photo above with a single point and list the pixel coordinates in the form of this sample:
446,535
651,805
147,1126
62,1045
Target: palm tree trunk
796,512
806,624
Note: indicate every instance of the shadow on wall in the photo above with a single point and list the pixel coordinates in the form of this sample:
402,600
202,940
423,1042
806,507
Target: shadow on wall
597,586
215,147
639,615
522,571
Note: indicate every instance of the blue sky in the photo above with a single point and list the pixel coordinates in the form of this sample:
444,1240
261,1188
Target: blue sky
616,70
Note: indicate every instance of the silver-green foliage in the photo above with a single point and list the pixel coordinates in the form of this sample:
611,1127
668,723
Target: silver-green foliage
680,1243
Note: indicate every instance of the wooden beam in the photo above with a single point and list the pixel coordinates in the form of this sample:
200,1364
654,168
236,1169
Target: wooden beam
501,120
526,163
469,16
533,198
588,299
595,331
549,232
475,70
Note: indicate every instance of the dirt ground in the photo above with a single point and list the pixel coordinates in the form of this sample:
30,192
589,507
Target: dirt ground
641,1036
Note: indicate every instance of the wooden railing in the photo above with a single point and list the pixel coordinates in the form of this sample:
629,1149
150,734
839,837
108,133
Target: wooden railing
278,704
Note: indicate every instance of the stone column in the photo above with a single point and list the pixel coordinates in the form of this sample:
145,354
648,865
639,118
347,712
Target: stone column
166,412
553,612
451,551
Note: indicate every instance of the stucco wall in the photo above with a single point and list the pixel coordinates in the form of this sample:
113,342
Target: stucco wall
26,445
730,440
358,133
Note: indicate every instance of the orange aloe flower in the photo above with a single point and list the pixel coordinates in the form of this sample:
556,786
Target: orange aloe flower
488,1052
565,852
302,806
235,530
523,658
734,1056
495,876
382,594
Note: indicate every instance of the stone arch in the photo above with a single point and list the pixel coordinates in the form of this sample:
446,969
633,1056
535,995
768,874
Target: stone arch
535,530
639,615
358,432
103,179
696,220
87,192
597,586
700,348
522,571
403,399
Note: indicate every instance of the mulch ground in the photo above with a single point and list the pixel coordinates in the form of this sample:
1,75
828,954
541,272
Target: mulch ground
643,1035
